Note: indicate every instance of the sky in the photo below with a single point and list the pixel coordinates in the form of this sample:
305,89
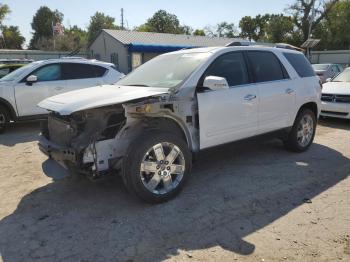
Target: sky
194,13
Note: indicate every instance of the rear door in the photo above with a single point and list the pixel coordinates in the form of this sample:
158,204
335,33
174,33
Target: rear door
229,114
277,92
28,95
81,75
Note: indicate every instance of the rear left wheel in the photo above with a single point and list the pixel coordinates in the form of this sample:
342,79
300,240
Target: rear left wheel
157,166
303,131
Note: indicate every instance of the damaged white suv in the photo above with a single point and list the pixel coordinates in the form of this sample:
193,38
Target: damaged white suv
148,125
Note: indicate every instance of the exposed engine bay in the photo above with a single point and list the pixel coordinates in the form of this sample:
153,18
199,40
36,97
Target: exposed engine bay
94,141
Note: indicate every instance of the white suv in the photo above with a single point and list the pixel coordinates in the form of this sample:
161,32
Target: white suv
24,88
148,126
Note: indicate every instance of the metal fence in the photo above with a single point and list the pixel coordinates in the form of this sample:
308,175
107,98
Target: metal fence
337,57
34,54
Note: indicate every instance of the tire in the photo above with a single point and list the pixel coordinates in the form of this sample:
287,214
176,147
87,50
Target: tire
159,181
302,134
4,119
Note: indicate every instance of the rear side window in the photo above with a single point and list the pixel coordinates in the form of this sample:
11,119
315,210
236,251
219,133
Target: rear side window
82,71
265,66
300,64
231,66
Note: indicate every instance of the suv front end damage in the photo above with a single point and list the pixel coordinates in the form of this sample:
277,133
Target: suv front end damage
94,141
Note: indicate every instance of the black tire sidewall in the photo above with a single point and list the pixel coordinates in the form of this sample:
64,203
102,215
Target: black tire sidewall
4,112
132,162
292,141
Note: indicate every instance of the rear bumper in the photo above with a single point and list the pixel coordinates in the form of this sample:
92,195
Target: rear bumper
339,110
56,152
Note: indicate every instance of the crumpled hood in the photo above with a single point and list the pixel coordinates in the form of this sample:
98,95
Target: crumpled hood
97,96
337,88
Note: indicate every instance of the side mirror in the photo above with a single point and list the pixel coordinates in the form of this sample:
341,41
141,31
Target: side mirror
329,80
31,79
215,83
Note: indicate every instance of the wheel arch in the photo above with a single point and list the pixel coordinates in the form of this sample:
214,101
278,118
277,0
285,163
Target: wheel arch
310,105
7,105
171,124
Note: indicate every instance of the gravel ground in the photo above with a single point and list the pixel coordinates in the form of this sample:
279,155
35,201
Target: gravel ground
250,201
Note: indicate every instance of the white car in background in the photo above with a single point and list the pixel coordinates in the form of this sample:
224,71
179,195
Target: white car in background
336,96
23,89
326,71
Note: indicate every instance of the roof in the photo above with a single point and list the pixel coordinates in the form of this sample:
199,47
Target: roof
80,60
157,39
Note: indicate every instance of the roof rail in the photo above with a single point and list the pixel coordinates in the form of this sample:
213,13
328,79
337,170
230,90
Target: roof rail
240,43
73,57
288,46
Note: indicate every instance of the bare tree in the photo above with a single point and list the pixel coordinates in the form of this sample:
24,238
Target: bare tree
305,12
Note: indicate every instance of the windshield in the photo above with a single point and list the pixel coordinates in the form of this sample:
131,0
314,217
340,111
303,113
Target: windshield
320,66
343,77
15,74
165,71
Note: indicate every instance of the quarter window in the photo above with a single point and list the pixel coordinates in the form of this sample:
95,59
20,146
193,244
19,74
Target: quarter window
231,66
265,66
48,73
82,71
300,64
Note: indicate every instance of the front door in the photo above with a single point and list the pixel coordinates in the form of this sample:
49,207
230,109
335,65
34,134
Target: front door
230,114
28,95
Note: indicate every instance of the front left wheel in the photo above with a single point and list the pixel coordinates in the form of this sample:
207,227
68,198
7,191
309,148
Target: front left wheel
4,119
157,166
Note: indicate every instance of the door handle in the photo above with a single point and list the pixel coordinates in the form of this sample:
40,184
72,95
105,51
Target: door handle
249,97
58,88
289,91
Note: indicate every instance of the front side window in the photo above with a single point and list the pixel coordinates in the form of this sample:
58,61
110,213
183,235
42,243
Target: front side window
165,71
48,73
4,71
265,66
232,67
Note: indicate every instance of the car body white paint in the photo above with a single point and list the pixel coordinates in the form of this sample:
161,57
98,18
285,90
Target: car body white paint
98,96
336,88
225,115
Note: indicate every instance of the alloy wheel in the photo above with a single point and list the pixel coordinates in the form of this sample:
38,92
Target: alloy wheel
305,130
162,168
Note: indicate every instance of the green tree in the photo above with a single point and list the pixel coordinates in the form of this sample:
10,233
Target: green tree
4,11
12,38
42,24
248,28
225,29
279,28
334,31
199,32
74,38
302,14
98,22
164,22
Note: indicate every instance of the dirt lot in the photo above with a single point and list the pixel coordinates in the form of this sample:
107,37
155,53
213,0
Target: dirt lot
244,202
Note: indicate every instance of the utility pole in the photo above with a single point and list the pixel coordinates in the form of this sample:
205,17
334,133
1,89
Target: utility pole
311,18
122,18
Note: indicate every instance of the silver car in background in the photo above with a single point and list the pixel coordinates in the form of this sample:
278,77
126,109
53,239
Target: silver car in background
326,71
